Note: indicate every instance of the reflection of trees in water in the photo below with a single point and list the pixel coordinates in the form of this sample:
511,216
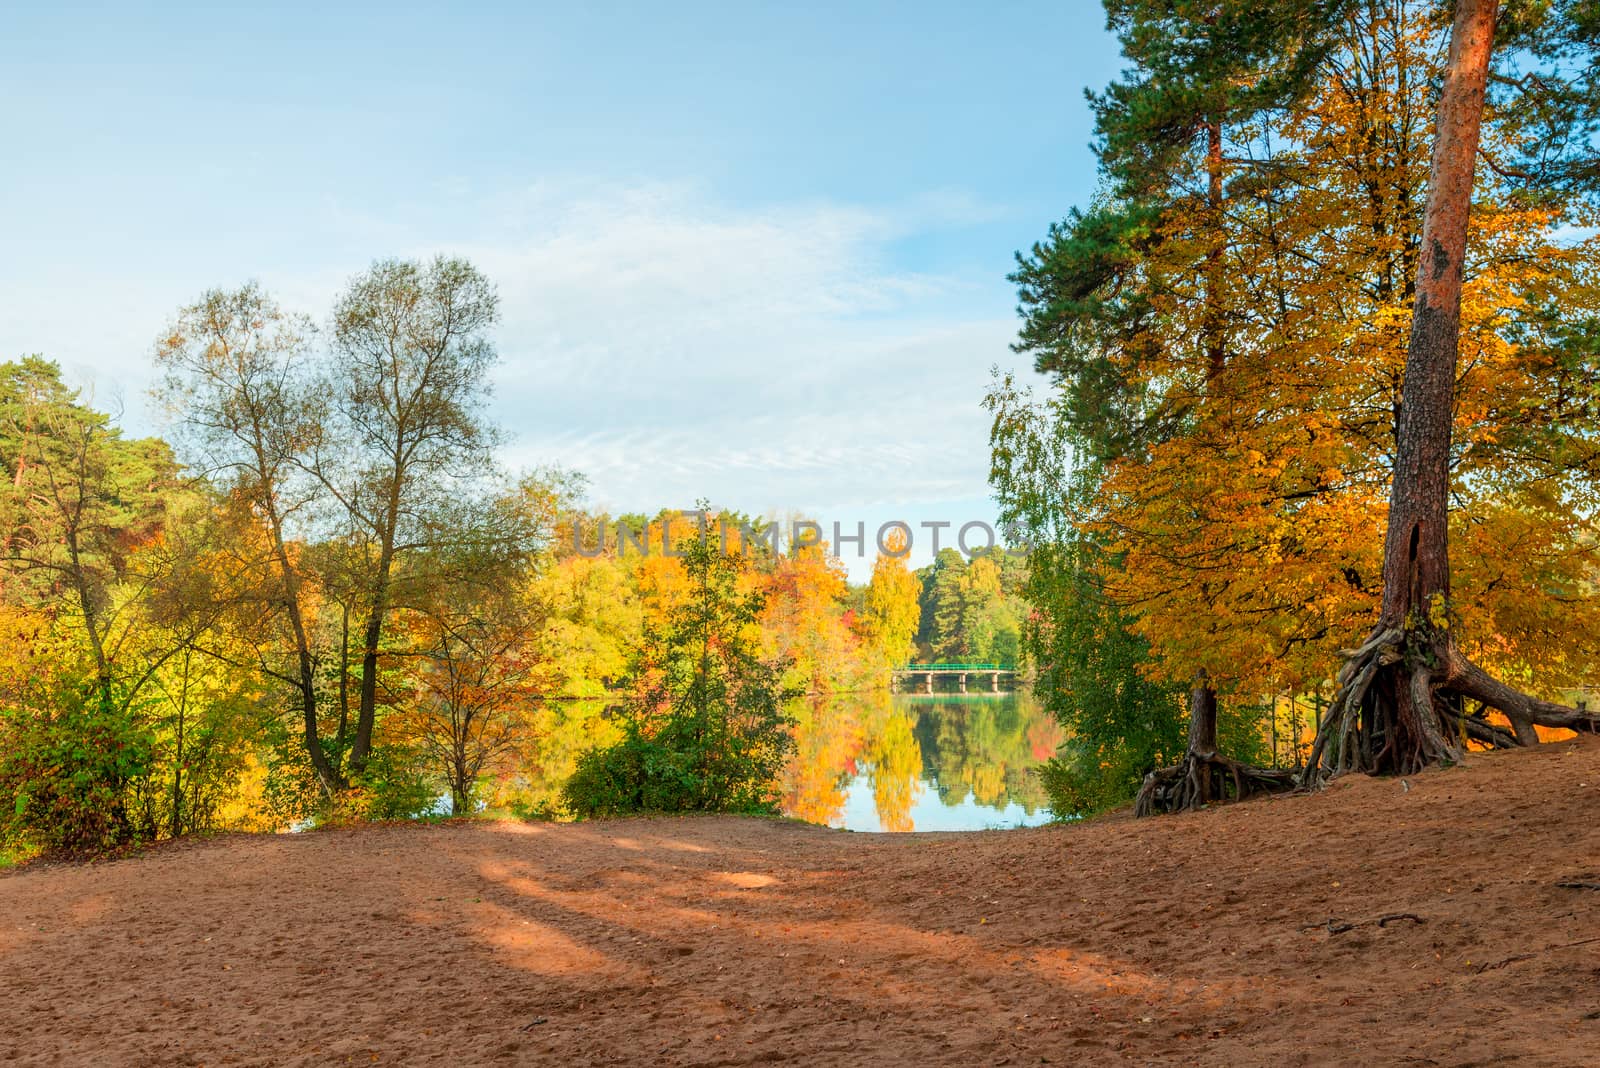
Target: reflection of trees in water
829,737
896,771
560,730
982,748
986,748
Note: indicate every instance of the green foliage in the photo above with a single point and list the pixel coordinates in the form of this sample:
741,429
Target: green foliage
11,856
1119,724
533,811
1198,59
66,773
706,731
292,793
641,774
1091,676
392,786
971,610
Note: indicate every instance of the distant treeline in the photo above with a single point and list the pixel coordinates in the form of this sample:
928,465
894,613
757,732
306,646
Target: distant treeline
321,597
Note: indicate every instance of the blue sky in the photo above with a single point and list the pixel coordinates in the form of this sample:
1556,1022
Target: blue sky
749,252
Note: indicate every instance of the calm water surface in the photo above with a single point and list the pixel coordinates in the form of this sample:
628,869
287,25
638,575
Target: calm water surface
881,762
864,762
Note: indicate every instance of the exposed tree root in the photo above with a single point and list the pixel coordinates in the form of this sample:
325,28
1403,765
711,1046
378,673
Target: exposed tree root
1403,701
1205,778
1204,775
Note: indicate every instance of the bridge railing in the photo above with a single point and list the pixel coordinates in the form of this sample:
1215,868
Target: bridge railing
958,667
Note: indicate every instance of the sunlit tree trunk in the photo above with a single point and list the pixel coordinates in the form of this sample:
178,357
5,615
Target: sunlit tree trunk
1416,565
1402,702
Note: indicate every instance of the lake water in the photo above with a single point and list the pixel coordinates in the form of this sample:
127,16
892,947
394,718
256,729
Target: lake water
864,762
902,762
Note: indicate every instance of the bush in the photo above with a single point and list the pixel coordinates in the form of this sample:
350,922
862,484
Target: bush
391,788
705,731
66,774
670,773
1076,786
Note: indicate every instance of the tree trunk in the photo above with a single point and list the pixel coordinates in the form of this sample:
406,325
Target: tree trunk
1202,734
1401,703
176,821
1416,561
372,635
367,709
91,618
1213,327
1204,775
327,775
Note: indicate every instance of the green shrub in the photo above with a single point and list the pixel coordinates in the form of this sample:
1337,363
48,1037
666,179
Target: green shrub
391,787
674,772
706,731
66,773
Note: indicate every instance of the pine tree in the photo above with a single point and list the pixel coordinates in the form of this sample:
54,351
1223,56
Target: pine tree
1096,320
1209,337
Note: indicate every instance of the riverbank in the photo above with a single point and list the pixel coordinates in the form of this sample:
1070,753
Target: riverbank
1247,935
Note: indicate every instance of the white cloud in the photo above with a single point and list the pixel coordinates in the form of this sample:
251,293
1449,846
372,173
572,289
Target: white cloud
668,347
762,359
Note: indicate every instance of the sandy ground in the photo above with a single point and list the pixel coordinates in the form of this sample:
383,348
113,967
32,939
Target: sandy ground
719,941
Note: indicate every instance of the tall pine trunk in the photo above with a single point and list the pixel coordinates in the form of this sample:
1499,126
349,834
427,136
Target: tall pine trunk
1416,554
1403,698
1416,559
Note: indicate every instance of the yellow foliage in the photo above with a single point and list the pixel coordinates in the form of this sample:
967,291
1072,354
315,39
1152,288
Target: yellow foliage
1252,534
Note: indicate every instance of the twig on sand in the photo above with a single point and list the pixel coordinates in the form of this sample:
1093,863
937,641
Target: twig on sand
1529,956
1334,926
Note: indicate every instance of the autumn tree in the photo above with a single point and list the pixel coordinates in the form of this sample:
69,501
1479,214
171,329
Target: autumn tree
1235,499
590,619
1097,287
1399,703
80,502
1093,675
705,728
991,607
472,663
471,646
407,382
890,610
803,620
103,548
235,375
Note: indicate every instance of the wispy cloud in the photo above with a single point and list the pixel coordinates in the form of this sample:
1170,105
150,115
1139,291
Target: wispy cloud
672,350
669,347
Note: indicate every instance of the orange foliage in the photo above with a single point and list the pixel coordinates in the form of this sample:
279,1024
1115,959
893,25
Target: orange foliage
1252,534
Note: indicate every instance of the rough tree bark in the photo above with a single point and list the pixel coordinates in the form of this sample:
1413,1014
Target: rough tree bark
1404,695
1205,775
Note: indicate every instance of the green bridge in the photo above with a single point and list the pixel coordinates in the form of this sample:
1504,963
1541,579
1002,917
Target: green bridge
921,676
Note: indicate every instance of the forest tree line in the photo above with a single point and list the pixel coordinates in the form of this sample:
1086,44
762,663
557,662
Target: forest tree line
321,596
